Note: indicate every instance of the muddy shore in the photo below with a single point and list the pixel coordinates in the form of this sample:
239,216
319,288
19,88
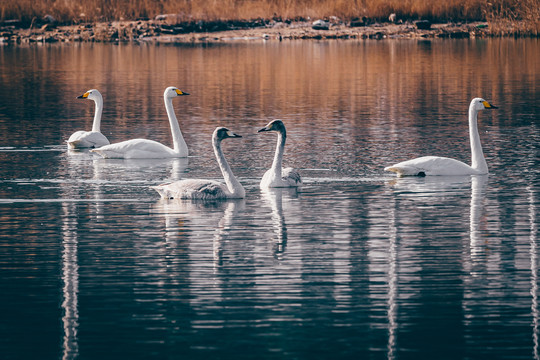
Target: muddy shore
166,30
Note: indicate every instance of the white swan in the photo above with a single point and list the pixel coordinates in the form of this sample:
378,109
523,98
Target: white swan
194,189
436,165
276,176
149,149
90,139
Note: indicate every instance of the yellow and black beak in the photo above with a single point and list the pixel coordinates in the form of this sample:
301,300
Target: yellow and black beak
487,105
84,96
180,92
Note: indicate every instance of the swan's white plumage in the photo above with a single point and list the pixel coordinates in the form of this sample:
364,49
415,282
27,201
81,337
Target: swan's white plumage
431,165
149,149
276,176
437,165
195,189
90,139
136,149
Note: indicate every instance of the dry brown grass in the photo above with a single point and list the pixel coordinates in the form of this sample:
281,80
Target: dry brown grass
501,13
518,17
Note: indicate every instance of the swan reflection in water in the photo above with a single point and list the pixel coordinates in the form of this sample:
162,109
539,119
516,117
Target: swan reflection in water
430,190
273,197
70,278
534,268
200,217
478,195
391,302
132,174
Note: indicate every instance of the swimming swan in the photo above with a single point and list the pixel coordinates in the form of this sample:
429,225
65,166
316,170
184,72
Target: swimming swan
90,139
276,176
194,189
436,165
149,149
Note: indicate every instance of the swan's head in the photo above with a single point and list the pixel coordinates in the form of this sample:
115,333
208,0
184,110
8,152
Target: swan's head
91,95
274,125
223,133
171,92
481,104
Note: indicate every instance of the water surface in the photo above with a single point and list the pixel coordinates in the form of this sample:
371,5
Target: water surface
355,264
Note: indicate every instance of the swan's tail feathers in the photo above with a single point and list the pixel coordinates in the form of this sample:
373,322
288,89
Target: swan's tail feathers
292,176
398,170
162,191
403,170
76,144
100,153
107,154
72,144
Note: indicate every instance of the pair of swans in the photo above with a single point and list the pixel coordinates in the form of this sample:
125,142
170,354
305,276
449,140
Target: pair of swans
195,189
135,148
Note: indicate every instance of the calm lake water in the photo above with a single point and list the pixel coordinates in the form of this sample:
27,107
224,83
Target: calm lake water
355,264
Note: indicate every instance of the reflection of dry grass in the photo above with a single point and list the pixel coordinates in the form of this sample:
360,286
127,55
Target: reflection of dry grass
502,13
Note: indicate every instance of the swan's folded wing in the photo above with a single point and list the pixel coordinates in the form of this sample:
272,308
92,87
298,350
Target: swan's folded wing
87,139
292,176
430,165
192,189
136,149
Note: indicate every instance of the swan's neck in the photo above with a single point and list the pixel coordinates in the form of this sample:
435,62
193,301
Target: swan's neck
97,115
234,186
478,162
278,157
178,140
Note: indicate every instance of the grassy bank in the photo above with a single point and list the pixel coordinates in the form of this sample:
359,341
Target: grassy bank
520,16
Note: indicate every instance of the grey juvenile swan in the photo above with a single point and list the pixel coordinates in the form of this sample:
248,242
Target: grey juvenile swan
195,189
276,176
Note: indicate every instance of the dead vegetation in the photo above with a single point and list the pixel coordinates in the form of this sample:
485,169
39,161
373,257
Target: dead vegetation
504,16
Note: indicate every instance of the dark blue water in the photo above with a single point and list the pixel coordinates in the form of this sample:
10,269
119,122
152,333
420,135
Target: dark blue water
355,264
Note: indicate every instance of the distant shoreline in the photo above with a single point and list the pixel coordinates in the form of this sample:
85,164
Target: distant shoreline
163,31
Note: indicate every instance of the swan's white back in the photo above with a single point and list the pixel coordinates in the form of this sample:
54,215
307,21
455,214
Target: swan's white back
198,189
276,176
436,165
90,139
150,149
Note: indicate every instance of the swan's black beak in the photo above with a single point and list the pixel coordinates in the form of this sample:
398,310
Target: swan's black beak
488,105
263,129
233,135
